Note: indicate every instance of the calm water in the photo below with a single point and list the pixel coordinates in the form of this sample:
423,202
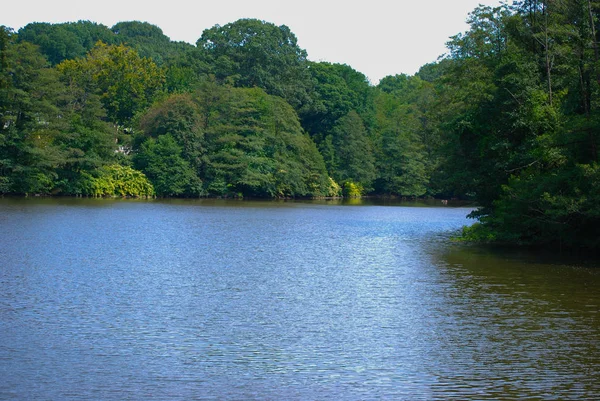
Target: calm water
185,300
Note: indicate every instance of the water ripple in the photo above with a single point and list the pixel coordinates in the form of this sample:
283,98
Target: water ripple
195,300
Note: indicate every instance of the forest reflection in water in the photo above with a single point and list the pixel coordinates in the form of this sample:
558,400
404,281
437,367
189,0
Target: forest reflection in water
536,324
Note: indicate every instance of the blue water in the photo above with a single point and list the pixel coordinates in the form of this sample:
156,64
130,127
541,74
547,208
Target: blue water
113,300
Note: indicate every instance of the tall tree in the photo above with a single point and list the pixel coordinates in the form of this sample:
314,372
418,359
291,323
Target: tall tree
30,118
526,147
406,142
181,117
238,141
349,152
127,83
339,89
251,53
149,41
59,42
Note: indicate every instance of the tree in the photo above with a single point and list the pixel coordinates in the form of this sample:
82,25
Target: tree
238,141
116,180
30,118
186,70
527,147
338,90
162,162
350,156
149,41
180,117
126,83
249,53
59,42
405,154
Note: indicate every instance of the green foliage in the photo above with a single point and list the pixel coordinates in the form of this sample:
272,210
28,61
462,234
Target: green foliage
85,146
431,72
509,118
30,118
406,142
251,53
125,82
59,42
352,189
162,162
479,233
239,141
186,72
334,190
181,117
523,139
117,181
339,89
256,147
351,156
137,29
149,41
554,209
177,124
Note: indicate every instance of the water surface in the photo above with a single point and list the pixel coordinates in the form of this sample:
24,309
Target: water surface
112,300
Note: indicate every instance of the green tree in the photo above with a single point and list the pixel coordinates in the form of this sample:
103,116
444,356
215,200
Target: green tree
59,42
126,83
30,118
149,41
162,162
351,156
251,53
339,89
405,155
237,141
526,148
256,146
187,69
181,117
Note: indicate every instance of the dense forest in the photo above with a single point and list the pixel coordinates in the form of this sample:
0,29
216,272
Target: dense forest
508,118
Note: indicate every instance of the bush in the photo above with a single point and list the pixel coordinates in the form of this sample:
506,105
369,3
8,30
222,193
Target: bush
352,189
117,180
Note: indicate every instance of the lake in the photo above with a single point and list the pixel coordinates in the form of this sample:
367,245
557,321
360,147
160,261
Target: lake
242,300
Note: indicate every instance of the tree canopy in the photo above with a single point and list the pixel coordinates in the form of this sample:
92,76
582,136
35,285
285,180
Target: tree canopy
509,118
251,53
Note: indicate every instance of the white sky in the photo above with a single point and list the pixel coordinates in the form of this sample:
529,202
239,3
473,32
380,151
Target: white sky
375,37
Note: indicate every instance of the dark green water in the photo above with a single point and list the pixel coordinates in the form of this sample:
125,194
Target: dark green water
112,300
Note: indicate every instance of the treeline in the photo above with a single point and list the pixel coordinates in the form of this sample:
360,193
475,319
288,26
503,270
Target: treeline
508,118
242,113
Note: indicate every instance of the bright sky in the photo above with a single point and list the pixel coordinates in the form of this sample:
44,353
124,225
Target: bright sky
375,37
